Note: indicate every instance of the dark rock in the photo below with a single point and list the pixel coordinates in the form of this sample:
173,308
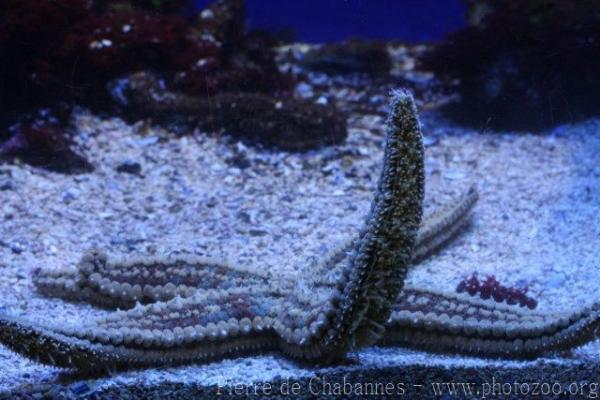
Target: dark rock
244,217
287,124
247,60
145,94
257,232
211,202
523,65
44,143
161,6
46,41
239,160
224,20
352,56
17,247
65,51
130,167
175,208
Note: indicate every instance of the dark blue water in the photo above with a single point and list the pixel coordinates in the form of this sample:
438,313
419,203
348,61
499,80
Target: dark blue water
334,20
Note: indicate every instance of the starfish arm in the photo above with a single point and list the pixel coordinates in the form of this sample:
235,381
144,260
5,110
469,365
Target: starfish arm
442,225
120,284
342,303
63,283
459,323
208,325
112,285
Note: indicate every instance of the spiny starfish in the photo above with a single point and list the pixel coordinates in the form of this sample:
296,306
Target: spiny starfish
124,283
342,303
198,309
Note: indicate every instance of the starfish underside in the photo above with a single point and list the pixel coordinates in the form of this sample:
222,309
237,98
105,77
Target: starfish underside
188,309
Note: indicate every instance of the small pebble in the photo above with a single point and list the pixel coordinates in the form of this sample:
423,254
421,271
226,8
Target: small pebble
257,232
304,90
69,195
17,247
6,186
322,100
79,388
130,167
454,175
429,141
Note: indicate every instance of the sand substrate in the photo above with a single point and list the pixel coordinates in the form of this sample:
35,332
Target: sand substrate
537,224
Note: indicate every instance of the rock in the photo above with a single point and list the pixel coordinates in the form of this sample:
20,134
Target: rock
304,90
224,20
286,124
79,388
130,167
429,141
82,45
69,195
272,122
44,143
352,56
454,175
239,160
16,247
522,65
257,232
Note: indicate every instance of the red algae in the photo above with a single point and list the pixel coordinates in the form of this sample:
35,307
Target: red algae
491,288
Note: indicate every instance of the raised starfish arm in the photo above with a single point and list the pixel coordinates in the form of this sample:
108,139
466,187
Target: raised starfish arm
458,323
342,303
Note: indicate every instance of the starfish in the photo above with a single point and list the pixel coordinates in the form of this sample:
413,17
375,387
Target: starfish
112,285
341,304
188,309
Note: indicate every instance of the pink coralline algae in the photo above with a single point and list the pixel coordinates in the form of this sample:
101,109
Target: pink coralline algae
491,288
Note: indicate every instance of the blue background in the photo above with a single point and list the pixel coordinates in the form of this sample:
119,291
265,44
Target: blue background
334,20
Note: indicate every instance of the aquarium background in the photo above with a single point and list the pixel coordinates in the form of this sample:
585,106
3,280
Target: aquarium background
252,133
318,21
